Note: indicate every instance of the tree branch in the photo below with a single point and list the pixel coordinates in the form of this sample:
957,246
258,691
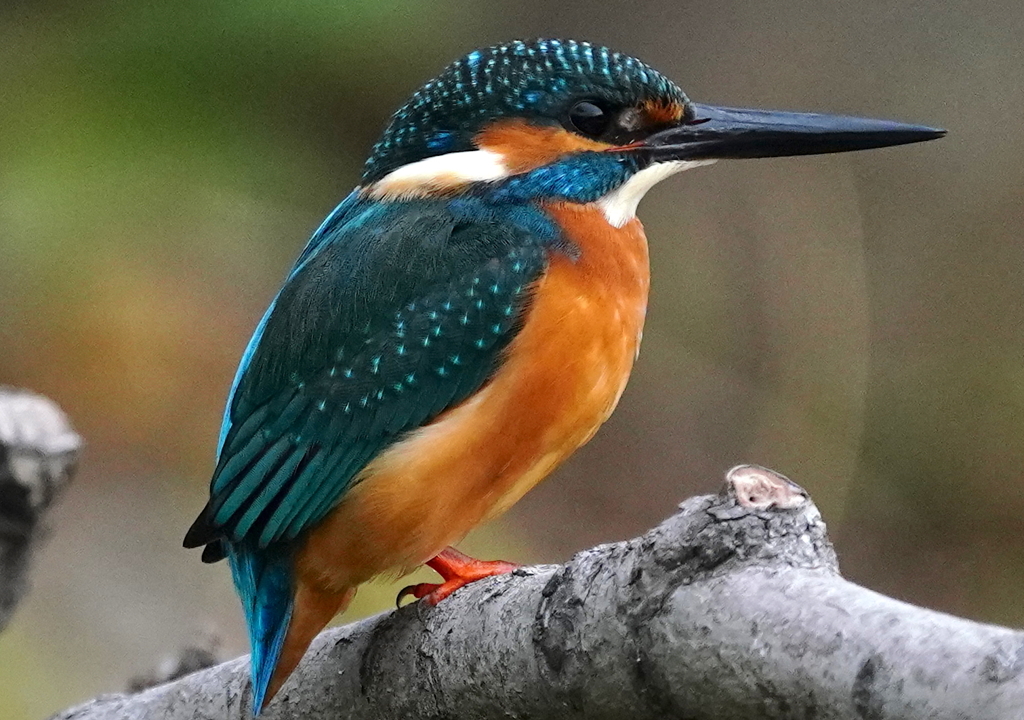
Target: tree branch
38,450
732,608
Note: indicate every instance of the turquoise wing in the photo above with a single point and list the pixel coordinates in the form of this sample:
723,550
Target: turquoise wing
402,311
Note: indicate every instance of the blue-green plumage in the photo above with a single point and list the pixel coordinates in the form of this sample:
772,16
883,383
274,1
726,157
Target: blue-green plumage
581,178
401,313
263,579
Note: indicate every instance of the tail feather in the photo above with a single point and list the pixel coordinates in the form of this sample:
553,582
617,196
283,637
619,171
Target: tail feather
265,584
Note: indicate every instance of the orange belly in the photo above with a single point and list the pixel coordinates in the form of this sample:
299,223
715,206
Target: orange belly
561,379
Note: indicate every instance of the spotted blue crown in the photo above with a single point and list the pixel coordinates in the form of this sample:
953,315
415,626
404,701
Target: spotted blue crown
535,80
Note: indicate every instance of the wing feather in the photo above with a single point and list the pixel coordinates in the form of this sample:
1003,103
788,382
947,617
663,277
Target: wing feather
391,316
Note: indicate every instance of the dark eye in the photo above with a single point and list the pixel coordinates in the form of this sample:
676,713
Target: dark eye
589,118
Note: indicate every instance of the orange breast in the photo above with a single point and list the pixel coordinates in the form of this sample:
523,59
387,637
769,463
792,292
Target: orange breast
563,375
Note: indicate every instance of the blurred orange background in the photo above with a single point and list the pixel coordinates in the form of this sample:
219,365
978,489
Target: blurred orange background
854,321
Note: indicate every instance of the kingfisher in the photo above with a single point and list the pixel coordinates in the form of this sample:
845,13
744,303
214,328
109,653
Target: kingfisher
462,322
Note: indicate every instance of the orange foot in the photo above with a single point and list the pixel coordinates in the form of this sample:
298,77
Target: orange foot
457,569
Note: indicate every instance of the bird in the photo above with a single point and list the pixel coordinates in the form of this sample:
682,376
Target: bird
460,324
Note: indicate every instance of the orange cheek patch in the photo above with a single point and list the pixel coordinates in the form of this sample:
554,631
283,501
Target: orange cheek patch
659,112
524,146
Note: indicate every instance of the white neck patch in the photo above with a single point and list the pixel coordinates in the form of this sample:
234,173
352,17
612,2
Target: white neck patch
619,206
439,173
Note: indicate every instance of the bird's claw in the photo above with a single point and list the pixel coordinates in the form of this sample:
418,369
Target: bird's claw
417,591
457,570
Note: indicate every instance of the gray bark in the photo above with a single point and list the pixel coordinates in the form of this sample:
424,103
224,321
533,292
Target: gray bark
38,451
732,608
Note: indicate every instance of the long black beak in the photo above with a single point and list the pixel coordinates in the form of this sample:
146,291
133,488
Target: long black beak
717,132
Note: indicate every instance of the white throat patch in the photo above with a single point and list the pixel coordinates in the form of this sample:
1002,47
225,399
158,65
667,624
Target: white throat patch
619,206
438,173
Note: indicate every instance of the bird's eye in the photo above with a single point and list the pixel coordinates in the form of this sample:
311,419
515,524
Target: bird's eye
589,119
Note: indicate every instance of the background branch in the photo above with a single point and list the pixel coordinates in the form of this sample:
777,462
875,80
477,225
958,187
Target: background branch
38,451
732,608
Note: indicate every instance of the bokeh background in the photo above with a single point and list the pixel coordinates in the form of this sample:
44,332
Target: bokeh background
854,321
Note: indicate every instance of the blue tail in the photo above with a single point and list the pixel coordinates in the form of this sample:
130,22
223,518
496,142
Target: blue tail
263,579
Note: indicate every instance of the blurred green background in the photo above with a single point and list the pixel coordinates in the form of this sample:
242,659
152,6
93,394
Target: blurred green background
854,321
